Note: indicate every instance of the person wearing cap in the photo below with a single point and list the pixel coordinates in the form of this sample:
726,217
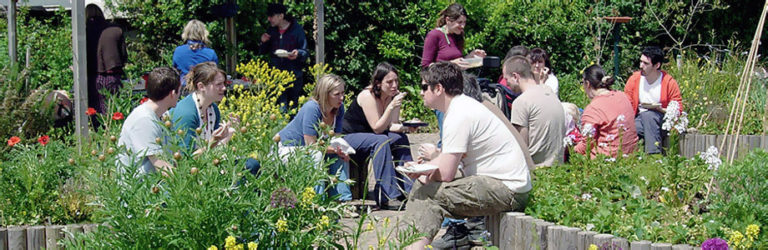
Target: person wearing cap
285,34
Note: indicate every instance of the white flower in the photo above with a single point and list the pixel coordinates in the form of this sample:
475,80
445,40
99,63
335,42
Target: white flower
620,118
711,158
567,141
659,161
589,130
665,189
674,118
610,159
590,226
586,196
610,137
602,144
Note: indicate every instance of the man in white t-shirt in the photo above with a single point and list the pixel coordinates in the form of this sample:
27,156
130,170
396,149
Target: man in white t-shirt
536,113
142,128
496,177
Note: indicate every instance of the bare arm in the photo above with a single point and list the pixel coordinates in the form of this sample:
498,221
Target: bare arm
523,133
161,165
379,122
447,165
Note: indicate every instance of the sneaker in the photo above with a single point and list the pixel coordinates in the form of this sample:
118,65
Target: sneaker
456,237
477,232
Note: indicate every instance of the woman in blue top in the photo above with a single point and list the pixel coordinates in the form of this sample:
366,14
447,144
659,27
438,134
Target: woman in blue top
325,106
195,49
206,83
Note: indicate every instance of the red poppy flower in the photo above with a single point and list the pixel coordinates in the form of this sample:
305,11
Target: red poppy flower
143,100
117,116
90,111
13,141
43,140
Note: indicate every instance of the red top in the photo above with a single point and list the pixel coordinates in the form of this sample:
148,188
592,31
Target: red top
670,91
437,48
612,120
281,31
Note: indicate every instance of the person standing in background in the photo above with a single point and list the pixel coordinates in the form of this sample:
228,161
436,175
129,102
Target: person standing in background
286,44
194,51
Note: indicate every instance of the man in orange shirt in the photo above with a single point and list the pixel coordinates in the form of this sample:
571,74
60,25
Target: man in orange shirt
650,91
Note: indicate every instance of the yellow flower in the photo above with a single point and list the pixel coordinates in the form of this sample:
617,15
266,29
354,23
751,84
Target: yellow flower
370,226
253,246
239,247
736,239
325,222
229,242
592,247
281,225
213,248
307,196
752,231
428,247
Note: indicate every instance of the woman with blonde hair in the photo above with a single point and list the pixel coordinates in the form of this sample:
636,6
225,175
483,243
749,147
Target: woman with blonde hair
195,49
325,107
206,83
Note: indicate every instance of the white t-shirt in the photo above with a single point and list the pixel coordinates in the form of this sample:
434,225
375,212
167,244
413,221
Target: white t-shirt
490,149
552,83
649,93
138,135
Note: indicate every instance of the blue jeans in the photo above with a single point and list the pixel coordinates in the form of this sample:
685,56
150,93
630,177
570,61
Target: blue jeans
648,125
340,169
384,151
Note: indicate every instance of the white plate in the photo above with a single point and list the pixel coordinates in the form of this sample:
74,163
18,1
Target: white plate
650,105
282,53
416,169
343,145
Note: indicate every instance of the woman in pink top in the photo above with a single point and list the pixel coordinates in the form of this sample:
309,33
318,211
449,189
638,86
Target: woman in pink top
446,42
607,122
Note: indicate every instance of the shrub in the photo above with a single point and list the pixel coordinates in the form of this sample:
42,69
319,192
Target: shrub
741,197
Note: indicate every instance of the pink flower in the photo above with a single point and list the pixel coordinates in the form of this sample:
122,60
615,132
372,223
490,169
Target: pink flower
13,141
117,116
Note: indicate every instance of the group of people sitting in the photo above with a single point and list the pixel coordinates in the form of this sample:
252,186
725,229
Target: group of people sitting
484,160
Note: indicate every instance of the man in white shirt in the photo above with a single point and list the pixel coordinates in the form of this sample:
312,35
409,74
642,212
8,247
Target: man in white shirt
650,90
142,128
496,177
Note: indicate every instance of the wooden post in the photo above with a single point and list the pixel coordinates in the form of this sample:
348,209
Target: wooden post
320,32
519,234
88,228
661,246
620,243
52,235
231,56
506,230
554,237
528,230
682,247
570,238
12,31
585,239
541,231
17,238
79,71
35,237
3,238
640,245
602,240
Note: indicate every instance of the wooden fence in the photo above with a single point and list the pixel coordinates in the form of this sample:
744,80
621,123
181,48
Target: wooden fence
513,230
691,144
37,237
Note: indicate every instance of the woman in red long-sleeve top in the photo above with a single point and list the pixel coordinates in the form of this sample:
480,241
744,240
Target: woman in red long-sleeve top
446,41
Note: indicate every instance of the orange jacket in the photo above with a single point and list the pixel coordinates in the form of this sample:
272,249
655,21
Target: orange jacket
670,91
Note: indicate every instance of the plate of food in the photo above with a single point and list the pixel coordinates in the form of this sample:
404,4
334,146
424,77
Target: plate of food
416,169
650,105
414,123
282,53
